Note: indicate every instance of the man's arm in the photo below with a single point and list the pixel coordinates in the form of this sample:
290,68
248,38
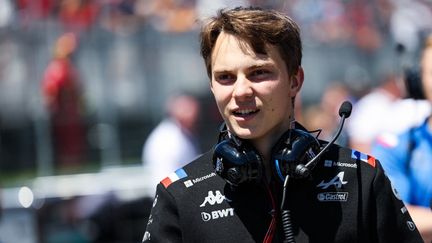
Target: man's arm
163,223
393,221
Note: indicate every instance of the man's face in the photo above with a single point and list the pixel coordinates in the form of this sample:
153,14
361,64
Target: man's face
426,67
253,91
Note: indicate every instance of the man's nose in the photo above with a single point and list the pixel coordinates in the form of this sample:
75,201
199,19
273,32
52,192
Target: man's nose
242,87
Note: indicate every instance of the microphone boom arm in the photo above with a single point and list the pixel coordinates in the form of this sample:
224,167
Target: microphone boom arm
341,123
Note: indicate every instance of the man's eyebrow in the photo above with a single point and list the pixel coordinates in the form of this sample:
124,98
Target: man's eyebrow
261,65
254,66
221,71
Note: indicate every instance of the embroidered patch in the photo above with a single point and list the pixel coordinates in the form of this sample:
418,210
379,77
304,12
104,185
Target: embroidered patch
177,175
363,157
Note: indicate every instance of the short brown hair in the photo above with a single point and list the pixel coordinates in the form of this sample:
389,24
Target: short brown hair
259,28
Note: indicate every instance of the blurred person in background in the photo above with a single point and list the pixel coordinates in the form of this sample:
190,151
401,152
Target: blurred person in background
167,15
407,156
61,89
173,142
77,15
324,115
383,109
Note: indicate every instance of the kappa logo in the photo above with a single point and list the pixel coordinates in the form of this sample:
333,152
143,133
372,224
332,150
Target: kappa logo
213,198
337,181
217,214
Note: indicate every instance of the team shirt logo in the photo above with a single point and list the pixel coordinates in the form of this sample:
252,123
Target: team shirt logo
175,176
411,225
188,183
217,214
331,163
363,157
395,191
213,198
146,236
194,181
328,163
337,181
333,197
155,201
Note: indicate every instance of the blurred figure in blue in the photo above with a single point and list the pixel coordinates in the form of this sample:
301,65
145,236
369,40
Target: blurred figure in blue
407,157
383,109
172,143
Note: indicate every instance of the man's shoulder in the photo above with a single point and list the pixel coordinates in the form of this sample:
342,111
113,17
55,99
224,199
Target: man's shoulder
347,158
196,174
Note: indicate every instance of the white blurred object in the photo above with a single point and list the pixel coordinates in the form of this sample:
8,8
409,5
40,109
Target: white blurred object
408,20
6,13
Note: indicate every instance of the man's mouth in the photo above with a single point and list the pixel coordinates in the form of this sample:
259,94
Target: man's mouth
245,112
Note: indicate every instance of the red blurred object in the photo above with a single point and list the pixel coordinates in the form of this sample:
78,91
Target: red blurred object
62,94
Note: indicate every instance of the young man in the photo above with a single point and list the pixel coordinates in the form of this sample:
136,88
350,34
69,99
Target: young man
234,193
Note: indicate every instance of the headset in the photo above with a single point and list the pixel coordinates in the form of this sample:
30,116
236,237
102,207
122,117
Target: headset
237,161
413,83
295,154
411,74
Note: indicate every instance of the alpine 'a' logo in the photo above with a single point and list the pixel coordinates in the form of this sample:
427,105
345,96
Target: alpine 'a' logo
337,181
213,198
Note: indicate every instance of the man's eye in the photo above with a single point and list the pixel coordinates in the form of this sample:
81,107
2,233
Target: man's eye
260,73
225,78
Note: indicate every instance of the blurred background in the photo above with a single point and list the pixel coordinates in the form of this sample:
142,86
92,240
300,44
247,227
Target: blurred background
84,82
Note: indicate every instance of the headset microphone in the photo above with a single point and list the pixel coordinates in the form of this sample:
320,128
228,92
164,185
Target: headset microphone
303,171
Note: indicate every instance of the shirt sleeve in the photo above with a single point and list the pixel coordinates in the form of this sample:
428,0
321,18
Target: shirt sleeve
394,224
163,223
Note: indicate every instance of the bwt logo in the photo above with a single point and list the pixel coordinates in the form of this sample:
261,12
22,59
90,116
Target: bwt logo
213,198
217,214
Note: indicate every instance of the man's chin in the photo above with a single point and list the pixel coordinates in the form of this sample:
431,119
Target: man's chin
244,133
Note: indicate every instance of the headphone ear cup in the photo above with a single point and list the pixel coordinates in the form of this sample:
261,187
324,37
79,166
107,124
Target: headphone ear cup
237,164
413,83
295,147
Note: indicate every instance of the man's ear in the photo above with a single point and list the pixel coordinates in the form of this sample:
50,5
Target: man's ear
297,81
